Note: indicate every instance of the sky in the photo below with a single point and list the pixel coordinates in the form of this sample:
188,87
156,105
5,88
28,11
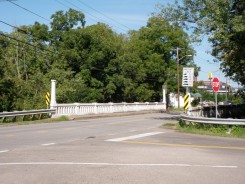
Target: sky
121,15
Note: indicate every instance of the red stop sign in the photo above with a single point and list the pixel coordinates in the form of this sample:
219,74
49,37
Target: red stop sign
215,84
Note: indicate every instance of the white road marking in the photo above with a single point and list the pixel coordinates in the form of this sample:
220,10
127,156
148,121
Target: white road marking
4,151
117,164
48,144
113,134
134,137
133,131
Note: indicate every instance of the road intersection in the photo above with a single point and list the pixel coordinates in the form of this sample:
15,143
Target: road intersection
128,149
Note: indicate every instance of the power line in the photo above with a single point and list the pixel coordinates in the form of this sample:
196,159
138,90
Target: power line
95,68
7,0
103,14
28,10
80,10
10,1
17,28
87,13
27,43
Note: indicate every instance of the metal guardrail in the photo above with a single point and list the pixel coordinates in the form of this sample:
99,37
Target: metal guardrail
219,121
15,114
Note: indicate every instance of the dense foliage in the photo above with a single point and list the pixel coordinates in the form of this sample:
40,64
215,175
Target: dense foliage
224,23
90,63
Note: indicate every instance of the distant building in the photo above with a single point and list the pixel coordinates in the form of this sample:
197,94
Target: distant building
224,87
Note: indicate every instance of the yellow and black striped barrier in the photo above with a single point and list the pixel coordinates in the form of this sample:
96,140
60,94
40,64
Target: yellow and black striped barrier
186,101
47,98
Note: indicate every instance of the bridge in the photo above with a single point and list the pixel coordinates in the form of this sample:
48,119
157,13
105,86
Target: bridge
98,108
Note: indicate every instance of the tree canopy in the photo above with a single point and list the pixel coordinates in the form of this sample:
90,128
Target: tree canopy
224,23
90,63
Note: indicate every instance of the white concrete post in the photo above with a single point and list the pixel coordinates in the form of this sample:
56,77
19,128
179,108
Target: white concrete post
111,107
124,106
76,108
95,108
53,94
164,94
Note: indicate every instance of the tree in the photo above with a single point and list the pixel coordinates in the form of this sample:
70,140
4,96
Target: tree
148,62
62,22
224,23
91,53
90,64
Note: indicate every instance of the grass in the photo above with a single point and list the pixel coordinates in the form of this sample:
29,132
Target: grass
172,109
207,129
170,125
214,130
11,122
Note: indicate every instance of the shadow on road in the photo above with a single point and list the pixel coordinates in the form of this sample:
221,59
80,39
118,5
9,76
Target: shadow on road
168,118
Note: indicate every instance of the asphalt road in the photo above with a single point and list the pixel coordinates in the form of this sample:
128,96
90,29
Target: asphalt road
128,149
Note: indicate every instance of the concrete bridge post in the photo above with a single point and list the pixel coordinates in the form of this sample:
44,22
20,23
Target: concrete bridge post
53,94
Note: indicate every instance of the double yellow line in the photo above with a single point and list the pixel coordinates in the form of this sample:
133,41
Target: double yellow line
185,145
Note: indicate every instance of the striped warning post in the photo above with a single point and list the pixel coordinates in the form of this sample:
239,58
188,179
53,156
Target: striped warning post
186,101
47,98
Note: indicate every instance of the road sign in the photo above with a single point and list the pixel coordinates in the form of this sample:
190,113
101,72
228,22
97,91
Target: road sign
47,98
186,101
187,78
215,84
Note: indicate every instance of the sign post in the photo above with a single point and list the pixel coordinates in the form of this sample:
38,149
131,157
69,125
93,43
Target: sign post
215,86
187,81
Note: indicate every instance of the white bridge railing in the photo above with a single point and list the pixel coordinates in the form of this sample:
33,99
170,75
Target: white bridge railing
99,108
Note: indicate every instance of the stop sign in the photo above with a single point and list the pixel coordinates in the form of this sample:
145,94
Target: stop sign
215,84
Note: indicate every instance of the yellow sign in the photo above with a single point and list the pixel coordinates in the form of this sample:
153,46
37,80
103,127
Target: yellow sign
47,98
186,101
210,76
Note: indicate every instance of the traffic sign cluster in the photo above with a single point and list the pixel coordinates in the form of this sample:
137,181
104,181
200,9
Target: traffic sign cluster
187,78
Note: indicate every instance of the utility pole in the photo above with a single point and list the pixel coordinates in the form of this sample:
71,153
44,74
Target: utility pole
178,75
177,62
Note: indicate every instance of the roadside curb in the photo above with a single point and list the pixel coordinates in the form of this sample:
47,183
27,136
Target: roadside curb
95,116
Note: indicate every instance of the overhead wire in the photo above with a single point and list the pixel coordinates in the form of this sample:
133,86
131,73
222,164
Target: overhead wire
24,42
6,0
103,14
43,49
96,18
77,7
25,32
17,28
28,10
80,9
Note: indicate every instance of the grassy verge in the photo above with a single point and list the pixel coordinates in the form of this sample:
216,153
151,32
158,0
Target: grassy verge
27,122
170,125
207,129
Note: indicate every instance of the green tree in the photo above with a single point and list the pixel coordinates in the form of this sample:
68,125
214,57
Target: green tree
90,64
224,23
91,53
148,61
65,21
